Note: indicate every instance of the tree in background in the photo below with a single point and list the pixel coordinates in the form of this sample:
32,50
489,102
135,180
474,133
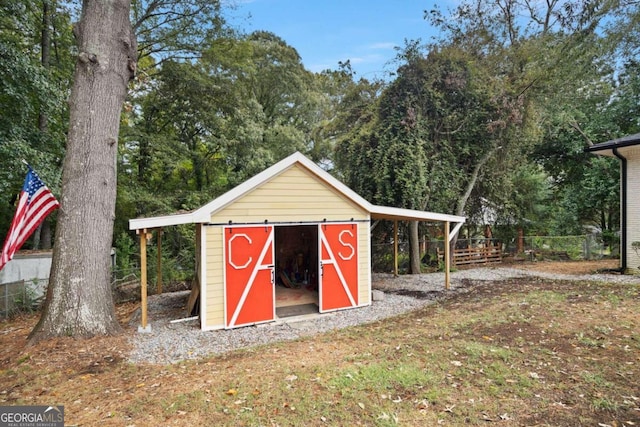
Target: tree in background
35,67
550,59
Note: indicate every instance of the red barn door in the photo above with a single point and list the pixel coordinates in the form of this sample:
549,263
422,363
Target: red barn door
249,280
338,266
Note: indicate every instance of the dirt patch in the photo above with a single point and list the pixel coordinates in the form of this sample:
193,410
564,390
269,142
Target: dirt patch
567,267
418,294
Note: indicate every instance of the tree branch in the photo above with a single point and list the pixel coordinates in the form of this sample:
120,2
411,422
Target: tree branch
577,127
462,201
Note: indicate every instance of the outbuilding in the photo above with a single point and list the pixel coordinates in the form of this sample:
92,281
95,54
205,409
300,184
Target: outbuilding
627,151
293,228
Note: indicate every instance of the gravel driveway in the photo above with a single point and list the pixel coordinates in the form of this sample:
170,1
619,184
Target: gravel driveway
173,342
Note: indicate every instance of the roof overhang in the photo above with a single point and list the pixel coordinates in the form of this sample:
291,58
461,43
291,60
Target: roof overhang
608,148
399,214
162,221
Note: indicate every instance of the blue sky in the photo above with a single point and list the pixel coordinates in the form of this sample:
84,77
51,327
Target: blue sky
327,31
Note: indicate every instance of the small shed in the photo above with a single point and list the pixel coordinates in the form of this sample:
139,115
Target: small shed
291,228
627,150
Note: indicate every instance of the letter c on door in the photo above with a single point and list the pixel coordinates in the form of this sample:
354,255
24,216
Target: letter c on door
233,264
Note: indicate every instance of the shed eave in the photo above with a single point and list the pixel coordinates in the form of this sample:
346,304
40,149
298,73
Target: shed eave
391,213
161,221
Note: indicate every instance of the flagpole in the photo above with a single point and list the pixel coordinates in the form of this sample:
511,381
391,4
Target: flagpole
25,162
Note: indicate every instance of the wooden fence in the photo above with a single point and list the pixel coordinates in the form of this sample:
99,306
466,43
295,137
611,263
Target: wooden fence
480,255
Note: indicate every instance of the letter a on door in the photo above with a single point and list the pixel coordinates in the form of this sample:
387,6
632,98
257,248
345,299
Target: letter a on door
339,266
249,291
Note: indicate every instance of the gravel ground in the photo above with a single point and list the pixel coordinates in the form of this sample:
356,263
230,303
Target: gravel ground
173,342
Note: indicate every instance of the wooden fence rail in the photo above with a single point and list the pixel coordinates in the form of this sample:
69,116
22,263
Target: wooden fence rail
482,255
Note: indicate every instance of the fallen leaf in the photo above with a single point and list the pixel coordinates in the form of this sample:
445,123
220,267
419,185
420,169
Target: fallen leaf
231,392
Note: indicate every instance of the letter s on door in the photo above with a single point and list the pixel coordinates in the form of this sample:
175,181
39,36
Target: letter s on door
346,244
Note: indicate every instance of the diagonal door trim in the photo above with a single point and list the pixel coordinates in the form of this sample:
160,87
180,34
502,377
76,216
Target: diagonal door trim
247,286
332,261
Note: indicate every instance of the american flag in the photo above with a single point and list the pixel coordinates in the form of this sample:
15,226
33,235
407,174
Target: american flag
34,204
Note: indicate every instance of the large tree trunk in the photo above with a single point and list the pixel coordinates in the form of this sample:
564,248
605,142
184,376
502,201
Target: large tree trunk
79,300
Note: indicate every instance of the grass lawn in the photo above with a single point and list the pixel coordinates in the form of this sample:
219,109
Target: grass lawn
524,352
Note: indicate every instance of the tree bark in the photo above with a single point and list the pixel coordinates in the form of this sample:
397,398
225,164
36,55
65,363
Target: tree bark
414,248
79,300
462,201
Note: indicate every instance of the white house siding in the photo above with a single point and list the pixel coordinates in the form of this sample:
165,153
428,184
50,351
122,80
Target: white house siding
633,206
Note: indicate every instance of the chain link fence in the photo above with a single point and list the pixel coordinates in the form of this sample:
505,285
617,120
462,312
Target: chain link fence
565,248
125,283
28,295
21,296
558,248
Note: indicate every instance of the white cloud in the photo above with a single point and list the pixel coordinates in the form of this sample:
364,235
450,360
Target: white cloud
382,45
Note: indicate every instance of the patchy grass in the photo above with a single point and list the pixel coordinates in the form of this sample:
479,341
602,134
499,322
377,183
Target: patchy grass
522,352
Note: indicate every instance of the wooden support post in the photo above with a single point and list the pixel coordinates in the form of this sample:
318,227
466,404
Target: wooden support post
395,248
447,257
159,263
143,282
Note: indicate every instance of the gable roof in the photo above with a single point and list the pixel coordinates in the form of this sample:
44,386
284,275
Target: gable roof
203,214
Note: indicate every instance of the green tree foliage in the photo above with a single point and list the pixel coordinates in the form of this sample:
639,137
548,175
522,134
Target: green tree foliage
554,59
32,94
205,125
174,29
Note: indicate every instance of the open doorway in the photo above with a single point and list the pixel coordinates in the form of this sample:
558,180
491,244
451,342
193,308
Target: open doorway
296,261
